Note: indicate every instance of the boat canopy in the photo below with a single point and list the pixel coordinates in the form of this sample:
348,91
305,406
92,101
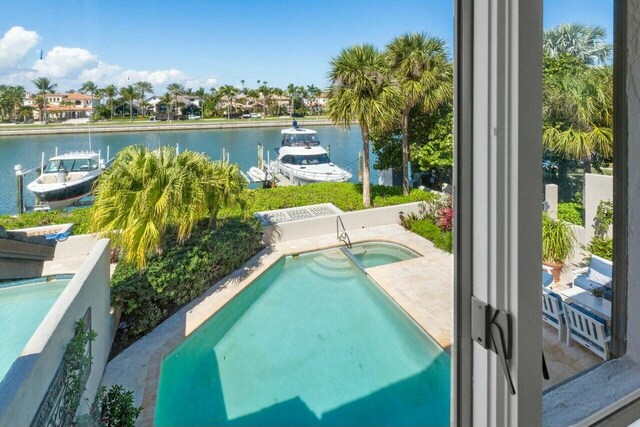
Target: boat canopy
299,137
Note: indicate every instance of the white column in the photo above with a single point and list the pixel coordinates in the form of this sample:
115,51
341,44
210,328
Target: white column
504,132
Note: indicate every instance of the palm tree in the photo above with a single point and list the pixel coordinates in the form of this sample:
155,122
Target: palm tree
229,92
202,94
142,88
175,89
110,92
291,92
578,112
166,100
361,89
423,74
44,86
91,88
586,42
146,192
313,93
129,93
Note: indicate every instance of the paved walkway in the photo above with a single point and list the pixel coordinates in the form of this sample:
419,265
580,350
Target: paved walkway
429,302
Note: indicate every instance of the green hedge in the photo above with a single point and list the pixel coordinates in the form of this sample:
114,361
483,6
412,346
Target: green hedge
430,231
180,274
80,217
571,212
346,196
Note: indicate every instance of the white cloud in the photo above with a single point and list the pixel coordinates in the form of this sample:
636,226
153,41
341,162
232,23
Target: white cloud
71,66
65,62
15,45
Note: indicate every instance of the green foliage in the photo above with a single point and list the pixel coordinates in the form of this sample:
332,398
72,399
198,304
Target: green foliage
557,240
561,64
345,195
115,408
602,247
79,217
183,271
433,222
603,218
430,231
571,212
77,361
430,137
144,192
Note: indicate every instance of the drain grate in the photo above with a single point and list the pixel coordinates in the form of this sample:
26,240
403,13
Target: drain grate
296,214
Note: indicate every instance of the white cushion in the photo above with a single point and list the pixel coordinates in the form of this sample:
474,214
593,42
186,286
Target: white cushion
599,278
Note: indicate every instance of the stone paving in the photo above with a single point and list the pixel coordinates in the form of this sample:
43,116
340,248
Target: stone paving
138,367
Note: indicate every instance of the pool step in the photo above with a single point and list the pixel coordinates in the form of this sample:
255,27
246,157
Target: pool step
331,266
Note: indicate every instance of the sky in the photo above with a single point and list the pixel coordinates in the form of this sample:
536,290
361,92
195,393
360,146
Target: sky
209,43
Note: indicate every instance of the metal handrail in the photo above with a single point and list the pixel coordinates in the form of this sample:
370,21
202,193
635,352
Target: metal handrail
344,236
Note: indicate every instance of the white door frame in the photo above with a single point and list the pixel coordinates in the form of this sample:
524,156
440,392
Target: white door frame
498,205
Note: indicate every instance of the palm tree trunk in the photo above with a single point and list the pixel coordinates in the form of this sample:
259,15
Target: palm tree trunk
111,102
405,152
586,164
366,181
45,108
213,220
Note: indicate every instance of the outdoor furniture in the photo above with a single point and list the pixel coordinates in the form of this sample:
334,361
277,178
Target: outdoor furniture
547,277
586,330
552,311
598,275
584,299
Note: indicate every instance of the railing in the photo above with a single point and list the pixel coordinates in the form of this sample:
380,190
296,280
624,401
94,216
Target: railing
343,236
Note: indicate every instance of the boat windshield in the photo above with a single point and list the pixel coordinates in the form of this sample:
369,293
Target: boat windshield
300,139
316,159
70,165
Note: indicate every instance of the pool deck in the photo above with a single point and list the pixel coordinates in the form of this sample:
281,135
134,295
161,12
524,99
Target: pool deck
428,302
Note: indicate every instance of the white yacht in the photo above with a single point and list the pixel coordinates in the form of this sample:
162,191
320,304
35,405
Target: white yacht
67,178
302,160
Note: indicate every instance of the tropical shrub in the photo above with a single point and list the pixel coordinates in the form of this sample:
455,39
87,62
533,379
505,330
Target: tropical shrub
602,247
115,408
603,218
571,212
557,240
146,192
434,222
183,271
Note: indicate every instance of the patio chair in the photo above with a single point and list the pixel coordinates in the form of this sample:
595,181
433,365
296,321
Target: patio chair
597,275
547,277
587,329
552,312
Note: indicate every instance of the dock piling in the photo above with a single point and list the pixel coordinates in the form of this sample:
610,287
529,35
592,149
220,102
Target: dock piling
19,189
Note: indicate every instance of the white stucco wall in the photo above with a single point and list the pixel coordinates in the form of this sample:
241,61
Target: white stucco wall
596,189
27,381
325,225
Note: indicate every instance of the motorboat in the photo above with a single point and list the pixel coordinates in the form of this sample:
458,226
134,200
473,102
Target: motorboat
302,160
66,179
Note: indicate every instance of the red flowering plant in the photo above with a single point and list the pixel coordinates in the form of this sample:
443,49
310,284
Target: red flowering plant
445,218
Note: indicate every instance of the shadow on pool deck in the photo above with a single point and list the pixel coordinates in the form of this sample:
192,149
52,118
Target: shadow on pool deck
397,404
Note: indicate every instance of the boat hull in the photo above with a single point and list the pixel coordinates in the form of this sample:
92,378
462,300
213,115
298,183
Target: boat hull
65,195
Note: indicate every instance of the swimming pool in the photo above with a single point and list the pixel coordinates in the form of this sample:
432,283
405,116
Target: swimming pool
23,305
374,254
312,341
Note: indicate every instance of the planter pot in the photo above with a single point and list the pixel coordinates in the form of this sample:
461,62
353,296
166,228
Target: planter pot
556,270
599,300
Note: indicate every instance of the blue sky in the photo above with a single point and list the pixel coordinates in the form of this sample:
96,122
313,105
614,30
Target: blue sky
208,43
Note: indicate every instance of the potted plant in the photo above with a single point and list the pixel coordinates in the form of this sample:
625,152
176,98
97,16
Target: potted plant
598,294
557,244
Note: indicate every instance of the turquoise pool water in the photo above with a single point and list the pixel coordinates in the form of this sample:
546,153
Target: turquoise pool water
373,254
311,342
22,308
